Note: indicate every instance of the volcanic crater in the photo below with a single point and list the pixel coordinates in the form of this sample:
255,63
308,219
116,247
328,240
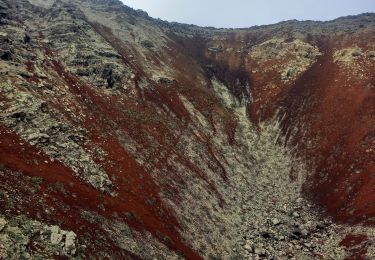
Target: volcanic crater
127,137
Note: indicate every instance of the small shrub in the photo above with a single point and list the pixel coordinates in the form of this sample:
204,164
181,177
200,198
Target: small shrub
147,44
130,216
37,180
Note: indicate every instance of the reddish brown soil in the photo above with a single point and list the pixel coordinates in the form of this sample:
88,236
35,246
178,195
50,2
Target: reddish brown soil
356,246
338,117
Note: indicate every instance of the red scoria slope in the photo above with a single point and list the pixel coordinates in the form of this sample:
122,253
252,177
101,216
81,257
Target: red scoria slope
149,139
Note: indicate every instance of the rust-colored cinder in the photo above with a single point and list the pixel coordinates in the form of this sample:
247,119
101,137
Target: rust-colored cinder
356,246
335,115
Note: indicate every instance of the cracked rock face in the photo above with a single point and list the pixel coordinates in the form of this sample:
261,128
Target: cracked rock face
126,137
19,234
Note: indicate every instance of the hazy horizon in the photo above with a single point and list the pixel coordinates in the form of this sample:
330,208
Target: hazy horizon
242,13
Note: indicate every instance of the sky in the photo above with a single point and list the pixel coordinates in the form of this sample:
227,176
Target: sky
246,13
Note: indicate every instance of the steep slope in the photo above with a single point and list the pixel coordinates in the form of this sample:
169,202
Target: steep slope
126,137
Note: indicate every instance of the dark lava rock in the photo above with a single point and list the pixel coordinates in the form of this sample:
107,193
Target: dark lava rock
44,107
6,55
20,116
266,235
298,233
167,81
321,226
27,38
110,81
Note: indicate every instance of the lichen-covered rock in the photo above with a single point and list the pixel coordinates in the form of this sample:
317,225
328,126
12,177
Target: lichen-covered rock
70,243
56,235
24,238
347,55
291,57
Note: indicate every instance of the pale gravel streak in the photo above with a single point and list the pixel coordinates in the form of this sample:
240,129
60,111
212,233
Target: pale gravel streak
269,173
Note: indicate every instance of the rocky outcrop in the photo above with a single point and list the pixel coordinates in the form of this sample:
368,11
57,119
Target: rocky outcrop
19,235
292,56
